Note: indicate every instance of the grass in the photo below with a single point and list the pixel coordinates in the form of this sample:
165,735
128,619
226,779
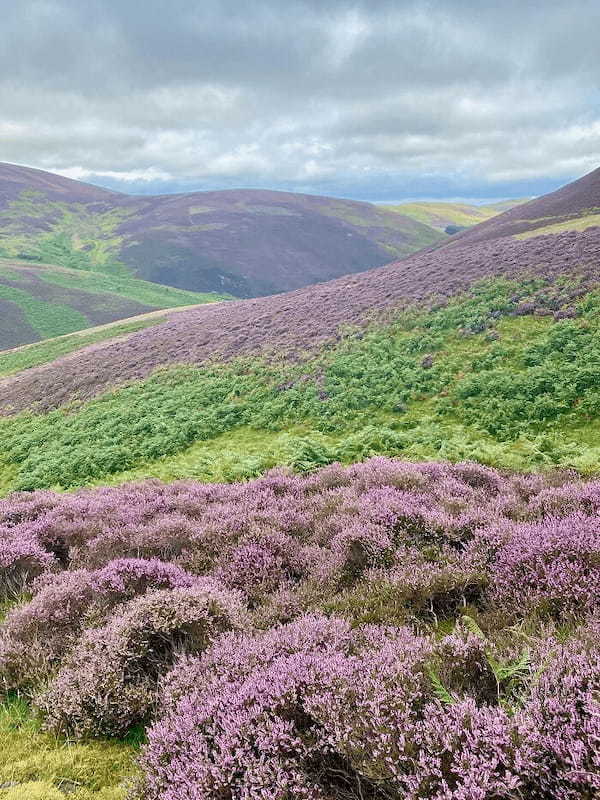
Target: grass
576,224
441,214
151,294
69,234
467,381
38,766
417,235
33,355
46,318
52,319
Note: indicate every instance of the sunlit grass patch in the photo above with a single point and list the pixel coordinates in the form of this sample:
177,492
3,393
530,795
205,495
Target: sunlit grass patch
576,224
40,765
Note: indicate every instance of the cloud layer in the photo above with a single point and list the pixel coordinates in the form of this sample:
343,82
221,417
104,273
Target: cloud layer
374,99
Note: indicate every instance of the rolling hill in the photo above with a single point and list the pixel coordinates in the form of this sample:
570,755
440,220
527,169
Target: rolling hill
449,217
242,242
338,582
246,365
39,301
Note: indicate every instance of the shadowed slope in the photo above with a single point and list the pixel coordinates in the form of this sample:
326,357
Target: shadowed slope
244,242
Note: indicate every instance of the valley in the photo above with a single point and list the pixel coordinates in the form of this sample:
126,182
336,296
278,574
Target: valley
244,544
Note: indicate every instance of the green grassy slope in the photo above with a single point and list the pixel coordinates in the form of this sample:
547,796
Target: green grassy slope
482,378
48,301
33,355
439,215
73,235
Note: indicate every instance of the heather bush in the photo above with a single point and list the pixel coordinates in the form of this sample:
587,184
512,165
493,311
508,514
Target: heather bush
22,559
137,614
551,567
263,564
236,655
35,637
308,724
316,710
559,724
108,682
426,534
463,752
431,585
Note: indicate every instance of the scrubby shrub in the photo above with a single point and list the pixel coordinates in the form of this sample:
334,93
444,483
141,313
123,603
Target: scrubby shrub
304,724
415,587
263,564
559,725
321,707
551,567
236,655
22,559
318,711
35,637
464,752
108,683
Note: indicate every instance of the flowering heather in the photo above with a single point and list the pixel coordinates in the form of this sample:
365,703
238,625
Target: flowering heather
108,683
551,567
302,320
558,725
380,631
356,716
338,522
36,636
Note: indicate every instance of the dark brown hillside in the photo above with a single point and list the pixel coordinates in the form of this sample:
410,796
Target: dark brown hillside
15,179
305,319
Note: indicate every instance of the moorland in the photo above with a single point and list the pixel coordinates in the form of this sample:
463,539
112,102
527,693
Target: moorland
338,543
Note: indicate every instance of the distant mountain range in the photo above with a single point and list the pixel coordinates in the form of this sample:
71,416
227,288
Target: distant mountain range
74,255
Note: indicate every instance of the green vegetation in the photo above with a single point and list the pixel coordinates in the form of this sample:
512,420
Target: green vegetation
33,355
441,214
421,234
467,380
107,293
47,319
38,766
581,223
80,237
146,292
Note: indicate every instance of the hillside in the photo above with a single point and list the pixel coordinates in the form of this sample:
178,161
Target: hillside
14,180
503,295
442,215
575,207
338,582
264,627
243,242
40,301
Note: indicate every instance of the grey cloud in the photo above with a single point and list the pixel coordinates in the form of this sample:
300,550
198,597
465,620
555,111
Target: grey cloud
318,95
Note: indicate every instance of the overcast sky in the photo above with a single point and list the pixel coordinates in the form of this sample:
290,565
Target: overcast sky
372,100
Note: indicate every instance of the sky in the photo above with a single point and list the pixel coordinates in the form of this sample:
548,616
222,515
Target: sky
370,100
